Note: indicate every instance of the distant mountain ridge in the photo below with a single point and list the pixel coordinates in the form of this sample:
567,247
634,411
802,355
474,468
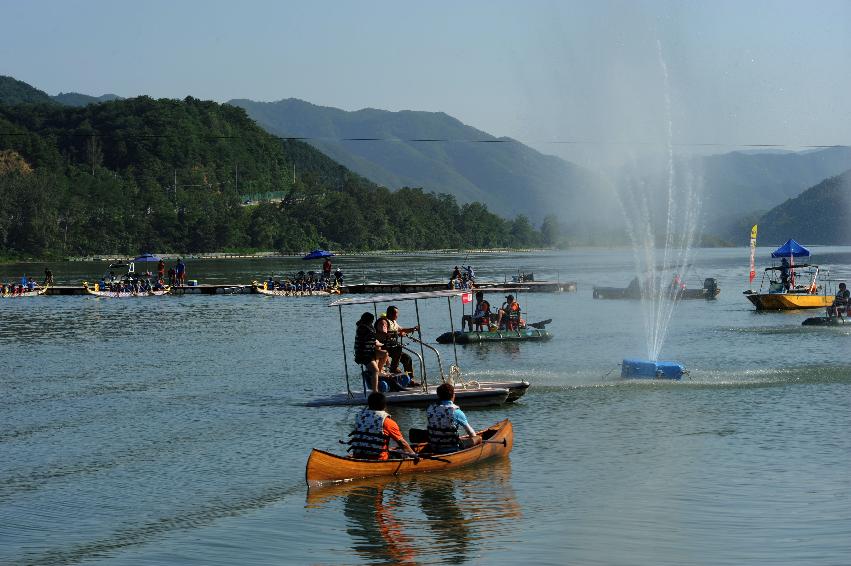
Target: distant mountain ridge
13,91
819,215
432,150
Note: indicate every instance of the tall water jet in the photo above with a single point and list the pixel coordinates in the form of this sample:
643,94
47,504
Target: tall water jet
661,219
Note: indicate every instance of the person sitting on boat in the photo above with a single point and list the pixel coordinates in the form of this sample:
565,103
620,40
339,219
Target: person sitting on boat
338,277
482,312
445,420
374,429
389,332
841,302
368,350
509,314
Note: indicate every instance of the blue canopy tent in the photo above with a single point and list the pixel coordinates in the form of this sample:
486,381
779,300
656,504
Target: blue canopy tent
318,254
146,258
791,249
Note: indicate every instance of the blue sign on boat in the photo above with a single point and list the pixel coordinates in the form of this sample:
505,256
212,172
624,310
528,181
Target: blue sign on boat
648,369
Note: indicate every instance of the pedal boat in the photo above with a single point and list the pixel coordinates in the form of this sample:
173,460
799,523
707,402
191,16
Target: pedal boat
527,334
324,468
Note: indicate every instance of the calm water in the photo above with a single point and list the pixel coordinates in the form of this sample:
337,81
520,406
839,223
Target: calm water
172,432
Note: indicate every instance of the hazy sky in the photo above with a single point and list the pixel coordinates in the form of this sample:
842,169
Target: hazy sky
606,74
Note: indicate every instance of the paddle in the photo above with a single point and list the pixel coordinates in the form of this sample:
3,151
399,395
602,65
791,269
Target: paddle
540,325
409,456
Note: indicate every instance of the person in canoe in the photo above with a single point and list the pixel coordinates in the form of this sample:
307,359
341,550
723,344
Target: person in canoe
374,429
369,351
445,420
509,314
388,331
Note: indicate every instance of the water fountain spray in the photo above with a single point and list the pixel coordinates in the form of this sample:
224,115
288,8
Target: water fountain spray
650,223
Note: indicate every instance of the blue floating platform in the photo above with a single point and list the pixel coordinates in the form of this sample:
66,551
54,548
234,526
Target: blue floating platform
647,369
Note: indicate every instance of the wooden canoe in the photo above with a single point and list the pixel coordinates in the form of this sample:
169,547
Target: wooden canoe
324,468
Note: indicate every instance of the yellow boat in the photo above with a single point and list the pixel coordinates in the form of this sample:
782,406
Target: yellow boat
810,295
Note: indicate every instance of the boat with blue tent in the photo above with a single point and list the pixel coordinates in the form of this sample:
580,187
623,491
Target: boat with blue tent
793,284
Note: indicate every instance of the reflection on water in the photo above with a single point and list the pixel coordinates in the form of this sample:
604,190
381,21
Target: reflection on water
430,518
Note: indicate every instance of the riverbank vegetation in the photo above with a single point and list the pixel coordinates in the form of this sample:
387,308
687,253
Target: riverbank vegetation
168,176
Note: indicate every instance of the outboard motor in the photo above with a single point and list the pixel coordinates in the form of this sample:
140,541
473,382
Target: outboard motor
710,287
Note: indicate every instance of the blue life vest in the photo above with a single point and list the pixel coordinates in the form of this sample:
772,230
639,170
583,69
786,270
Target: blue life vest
442,428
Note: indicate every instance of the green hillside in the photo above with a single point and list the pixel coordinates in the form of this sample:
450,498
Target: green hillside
103,181
77,99
13,91
435,151
819,215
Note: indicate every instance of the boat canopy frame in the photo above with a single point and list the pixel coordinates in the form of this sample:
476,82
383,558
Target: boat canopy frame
397,297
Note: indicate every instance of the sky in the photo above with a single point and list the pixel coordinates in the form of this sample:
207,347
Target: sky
595,80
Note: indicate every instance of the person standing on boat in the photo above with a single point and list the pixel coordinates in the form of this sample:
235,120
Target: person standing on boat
445,419
374,429
368,350
48,277
390,333
784,273
160,270
326,269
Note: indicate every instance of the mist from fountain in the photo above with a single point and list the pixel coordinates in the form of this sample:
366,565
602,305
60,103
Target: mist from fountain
661,212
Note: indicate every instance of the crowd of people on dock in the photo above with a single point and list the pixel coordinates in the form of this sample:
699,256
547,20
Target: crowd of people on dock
462,279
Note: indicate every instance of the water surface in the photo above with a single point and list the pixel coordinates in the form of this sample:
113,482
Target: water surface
173,431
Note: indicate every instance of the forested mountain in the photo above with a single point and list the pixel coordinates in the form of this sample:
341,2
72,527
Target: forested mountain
13,91
437,152
819,215
167,175
77,99
747,182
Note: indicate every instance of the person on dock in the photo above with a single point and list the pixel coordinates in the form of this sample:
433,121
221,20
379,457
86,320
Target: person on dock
374,429
389,332
509,313
369,351
445,419
48,277
455,279
180,272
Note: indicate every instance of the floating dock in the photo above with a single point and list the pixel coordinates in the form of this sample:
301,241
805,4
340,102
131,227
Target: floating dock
357,289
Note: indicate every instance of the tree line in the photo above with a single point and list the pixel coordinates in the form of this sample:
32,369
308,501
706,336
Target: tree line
167,175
